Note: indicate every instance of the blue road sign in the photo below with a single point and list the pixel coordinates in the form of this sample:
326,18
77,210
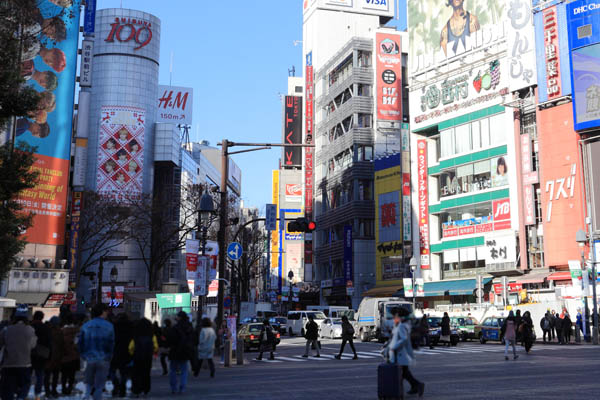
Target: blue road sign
234,251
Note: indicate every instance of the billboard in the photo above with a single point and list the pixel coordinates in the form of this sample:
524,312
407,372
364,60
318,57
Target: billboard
293,192
292,131
175,104
423,198
49,67
388,217
120,152
447,29
521,45
389,77
309,151
498,220
552,50
275,233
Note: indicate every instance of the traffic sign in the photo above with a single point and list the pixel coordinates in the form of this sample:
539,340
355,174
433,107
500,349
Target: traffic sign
234,251
227,302
271,217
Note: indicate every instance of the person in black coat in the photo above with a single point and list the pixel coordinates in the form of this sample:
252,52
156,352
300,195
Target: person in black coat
142,348
518,321
41,351
527,330
120,369
567,328
558,325
181,347
311,335
267,341
446,328
347,337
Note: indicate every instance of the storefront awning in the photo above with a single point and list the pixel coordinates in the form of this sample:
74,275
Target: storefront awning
452,288
533,278
29,298
560,276
382,291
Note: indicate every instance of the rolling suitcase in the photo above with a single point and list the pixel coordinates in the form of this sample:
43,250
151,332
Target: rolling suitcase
389,382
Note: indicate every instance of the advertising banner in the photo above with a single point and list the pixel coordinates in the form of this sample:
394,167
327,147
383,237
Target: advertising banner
292,131
348,246
444,30
389,77
80,162
308,151
275,233
175,104
49,67
552,50
113,295
498,220
499,249
121,152
420,287
293,192
521,45
423,210
408,287
191,254
293,258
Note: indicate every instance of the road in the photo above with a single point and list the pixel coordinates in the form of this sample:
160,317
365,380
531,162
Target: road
468,371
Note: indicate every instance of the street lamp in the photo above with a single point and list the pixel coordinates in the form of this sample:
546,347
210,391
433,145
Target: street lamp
413,268
290,277
582,238
114,274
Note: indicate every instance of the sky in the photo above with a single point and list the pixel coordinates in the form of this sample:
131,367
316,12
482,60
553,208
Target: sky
235,55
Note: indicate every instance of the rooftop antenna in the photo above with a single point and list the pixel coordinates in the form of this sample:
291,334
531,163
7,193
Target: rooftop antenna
170,69
292,71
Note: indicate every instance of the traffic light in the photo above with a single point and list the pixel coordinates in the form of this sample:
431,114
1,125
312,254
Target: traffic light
301,225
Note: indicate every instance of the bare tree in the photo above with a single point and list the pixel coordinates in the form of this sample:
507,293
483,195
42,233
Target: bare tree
252,239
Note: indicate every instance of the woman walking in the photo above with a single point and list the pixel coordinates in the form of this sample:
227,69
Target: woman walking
527,330
267,341
509,334
206,346
347,336
163,346
141,348
445,336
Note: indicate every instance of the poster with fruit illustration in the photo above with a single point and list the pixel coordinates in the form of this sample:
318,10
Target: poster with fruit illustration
445,29
121,152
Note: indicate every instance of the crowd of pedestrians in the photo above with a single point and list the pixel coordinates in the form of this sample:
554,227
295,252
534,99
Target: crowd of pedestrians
560,326
49,354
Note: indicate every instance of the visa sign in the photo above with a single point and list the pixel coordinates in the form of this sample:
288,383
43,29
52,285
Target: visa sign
377,4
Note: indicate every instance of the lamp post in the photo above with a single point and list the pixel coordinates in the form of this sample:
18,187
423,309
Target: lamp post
413,268
101,273
581,238
290,278
207,208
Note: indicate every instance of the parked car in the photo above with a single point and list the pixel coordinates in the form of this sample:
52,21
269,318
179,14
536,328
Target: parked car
489,329
465,327
435,332
297,321
251,320
331,328
279,323
250,333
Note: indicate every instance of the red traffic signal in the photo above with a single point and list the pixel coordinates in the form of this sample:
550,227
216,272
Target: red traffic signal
301,225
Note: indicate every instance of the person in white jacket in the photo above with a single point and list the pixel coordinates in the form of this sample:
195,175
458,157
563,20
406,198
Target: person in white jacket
206,346
399,349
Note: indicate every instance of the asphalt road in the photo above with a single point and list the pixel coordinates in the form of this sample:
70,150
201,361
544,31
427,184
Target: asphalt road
468,371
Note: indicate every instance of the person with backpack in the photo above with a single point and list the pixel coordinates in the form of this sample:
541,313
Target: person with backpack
41,351
142,348
311,335
347,337
546,325
163,346
206,346
181,346
267,341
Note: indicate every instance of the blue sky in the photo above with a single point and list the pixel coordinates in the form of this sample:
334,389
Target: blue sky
236,55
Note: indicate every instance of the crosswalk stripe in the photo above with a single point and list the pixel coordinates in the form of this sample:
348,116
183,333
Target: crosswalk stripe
268,361
366,354
320,358
291,358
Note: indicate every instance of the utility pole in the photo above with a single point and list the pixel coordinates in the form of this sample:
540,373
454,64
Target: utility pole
594,279
222,236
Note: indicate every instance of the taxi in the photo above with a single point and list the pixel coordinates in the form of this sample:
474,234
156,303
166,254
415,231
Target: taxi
489,329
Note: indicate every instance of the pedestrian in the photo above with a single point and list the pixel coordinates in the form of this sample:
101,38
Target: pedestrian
553,324
120,365
445,335
18,340
96,343
195,364
70,361
311,335
558,326
142,348
399,350
518,329
206,346
509,333
163,345
52,367
267,341
579,323
527,331
567,327
41,351
546,325
424,330
347,336
181,347
222,338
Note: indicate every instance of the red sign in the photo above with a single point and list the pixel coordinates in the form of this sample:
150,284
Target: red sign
500,219
389,77
56,300
528,205
125,29
388,215
525,153
309,152
293,189
551,52
191,261
405,184
423,211
292,131
511,287
501,209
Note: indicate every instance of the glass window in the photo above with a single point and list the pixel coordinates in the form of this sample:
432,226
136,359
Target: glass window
498,130
476,135
463,138
485,132
447,142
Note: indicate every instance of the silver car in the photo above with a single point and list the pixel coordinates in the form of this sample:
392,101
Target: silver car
331,328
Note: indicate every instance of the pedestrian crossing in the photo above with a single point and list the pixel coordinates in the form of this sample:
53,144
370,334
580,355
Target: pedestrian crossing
322,357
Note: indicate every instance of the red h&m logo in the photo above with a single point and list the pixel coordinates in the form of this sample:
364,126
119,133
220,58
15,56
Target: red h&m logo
388,215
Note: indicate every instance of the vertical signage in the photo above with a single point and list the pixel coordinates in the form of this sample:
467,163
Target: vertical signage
275,234
292,131
389,77
423,210
348,273
309,151
526,171
271,217
521,45
552,52
406,204
89,18
85,73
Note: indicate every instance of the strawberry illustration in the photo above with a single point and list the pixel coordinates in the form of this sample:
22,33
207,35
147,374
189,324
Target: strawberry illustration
477,82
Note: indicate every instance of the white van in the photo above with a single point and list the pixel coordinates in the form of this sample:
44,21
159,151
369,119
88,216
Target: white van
297,321
334,311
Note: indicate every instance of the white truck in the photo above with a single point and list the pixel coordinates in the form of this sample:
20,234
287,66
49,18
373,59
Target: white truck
260,310
374,317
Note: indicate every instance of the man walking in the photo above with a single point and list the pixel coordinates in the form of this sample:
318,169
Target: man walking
41,351
96,345
347,336
312,335
18,340
181,348
546,326
267,341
